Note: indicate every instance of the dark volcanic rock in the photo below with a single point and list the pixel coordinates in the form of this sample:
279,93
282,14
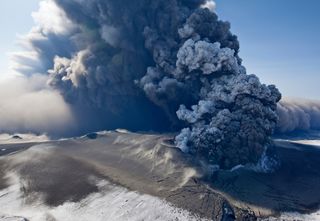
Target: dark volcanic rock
92,136
16,137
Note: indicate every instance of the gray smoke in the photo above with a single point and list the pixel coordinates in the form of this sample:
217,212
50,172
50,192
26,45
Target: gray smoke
154,65
298,115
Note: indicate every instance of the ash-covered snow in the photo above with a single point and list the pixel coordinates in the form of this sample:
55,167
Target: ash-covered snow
112,203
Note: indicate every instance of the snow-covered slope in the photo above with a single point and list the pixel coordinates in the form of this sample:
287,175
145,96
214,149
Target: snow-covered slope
129,176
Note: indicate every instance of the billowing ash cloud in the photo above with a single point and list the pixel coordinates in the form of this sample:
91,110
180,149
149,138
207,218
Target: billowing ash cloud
298,115
154,65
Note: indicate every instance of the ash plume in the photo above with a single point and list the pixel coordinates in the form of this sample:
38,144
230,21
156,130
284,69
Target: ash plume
154,65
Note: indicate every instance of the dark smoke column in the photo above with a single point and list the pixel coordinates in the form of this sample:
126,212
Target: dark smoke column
229,116
161,65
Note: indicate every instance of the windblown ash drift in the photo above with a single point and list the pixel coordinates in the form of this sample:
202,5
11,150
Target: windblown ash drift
28,105
155,65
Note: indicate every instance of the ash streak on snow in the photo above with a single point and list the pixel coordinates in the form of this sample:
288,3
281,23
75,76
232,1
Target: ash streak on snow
112,202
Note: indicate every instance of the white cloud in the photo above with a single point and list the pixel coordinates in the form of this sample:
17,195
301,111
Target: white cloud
211,5
51,19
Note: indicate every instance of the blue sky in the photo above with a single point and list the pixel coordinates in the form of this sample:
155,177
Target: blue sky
15,19
280,39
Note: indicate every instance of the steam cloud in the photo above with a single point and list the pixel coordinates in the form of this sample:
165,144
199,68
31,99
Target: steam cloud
154,65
